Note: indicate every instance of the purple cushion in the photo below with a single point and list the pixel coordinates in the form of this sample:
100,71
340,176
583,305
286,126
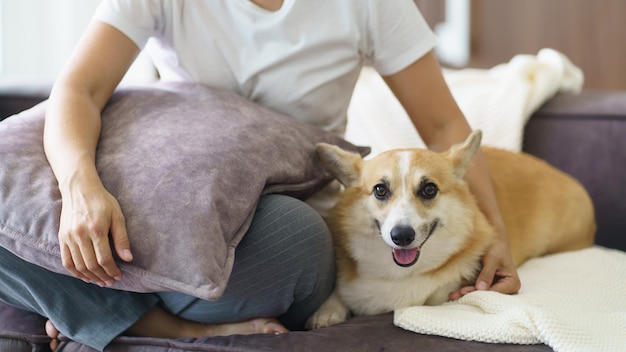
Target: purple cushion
187,164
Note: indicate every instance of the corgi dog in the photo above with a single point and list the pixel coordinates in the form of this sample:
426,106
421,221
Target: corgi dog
407,230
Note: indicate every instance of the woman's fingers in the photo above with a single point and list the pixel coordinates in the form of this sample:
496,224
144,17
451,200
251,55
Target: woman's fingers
83,264
85,246
68,263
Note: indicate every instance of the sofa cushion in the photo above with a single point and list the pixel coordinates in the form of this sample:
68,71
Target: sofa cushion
21,331
187,164
361,334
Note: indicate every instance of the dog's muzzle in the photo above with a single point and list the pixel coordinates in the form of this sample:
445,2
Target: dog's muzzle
403,236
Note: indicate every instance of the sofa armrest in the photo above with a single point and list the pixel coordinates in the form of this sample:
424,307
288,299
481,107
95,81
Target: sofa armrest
15,98
585,136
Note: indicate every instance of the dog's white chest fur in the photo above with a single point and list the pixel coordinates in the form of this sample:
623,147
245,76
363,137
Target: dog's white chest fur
382,286
375,296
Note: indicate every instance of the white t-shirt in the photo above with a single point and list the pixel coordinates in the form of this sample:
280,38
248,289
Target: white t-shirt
302,60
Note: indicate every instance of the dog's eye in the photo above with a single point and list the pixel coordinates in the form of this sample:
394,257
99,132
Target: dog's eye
381,191
429,191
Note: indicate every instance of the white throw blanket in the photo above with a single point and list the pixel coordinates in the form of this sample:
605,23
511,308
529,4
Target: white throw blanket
499,101
574,301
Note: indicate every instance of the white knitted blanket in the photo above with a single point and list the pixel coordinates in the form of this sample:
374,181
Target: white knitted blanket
574,301
499,101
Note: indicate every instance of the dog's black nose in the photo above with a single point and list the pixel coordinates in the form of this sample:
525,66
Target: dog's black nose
402,235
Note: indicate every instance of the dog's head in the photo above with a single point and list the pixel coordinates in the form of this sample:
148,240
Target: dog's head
414,198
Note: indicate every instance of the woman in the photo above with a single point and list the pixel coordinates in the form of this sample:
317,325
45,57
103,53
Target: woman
299,57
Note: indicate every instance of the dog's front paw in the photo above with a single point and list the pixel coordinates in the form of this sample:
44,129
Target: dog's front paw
332,312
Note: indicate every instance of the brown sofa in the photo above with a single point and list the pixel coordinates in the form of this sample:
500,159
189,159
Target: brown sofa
583,135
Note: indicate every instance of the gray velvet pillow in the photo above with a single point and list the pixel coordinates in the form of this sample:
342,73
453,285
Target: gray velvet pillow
187,164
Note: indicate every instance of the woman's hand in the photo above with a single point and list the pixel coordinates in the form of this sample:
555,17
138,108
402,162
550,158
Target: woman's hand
89,215
498,272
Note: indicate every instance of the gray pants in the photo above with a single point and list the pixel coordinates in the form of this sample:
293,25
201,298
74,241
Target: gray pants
284,267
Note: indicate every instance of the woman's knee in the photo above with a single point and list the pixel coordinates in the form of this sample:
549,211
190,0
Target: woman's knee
306,243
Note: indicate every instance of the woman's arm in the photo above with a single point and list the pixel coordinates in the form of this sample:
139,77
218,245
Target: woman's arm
72,128
424,94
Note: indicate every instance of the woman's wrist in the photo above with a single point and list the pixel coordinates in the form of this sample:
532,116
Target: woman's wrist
81,177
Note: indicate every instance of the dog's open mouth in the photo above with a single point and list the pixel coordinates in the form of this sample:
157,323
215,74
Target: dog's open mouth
406,257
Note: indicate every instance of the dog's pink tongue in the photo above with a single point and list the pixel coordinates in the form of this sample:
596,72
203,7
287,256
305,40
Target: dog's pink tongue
405,256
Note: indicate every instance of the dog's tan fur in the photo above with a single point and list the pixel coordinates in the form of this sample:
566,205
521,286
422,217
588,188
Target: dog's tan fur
544,210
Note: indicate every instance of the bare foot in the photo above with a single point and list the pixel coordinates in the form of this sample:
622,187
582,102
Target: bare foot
253,326
53,333
159,323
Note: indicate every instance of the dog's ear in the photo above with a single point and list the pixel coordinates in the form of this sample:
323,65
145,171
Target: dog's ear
462,154
344,165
